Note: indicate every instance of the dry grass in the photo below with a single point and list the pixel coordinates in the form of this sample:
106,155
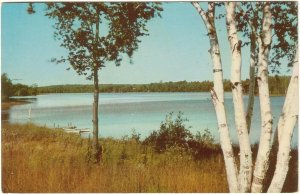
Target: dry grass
36,159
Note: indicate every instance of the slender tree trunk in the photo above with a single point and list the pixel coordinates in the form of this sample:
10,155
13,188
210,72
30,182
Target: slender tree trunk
280,125
286,108
253,60
217,94
286,125
245,173
96,152
261,164
95,144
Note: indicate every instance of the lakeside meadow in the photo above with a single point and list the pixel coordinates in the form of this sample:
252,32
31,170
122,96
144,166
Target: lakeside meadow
38,159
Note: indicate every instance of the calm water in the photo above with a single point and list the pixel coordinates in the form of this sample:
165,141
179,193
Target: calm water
119,113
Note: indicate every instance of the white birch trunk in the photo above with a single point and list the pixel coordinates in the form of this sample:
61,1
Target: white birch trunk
245,173
262,160
252,81
286,107
218,96
287,123
253,60
281,121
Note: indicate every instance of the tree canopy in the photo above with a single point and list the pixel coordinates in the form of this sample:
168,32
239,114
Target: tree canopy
284,22
96,33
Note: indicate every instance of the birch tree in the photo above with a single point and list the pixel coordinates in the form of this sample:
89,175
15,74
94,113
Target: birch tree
247,23
286,124
284,22
262,159
261,36
245,172
285,34
217,94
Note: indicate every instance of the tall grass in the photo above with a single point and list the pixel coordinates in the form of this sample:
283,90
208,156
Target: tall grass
37,159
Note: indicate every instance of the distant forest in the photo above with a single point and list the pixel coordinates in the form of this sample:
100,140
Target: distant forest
9,89
277,85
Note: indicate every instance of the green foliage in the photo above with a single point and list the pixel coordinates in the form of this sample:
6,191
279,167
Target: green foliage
95,33
6,87
24,90
206,139
173,133
285,24
278,84
181,86
9,89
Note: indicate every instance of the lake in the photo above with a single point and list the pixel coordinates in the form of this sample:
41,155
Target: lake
119,113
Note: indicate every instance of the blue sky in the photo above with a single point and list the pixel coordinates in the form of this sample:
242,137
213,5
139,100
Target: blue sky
175,50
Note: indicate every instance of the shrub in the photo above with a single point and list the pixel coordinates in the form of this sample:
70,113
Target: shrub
204,145
174,133
135,136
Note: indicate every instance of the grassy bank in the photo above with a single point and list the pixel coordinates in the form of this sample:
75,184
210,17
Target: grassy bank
37,159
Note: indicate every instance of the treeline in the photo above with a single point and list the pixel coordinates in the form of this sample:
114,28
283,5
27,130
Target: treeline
277,85
9,89
181,86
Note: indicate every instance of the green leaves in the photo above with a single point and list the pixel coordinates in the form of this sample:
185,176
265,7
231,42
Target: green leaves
284,23
95,33
285,16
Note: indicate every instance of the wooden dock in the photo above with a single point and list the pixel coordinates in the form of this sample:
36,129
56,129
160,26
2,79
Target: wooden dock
75,130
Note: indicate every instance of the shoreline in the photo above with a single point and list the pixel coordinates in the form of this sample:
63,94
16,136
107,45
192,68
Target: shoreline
271,95
6,105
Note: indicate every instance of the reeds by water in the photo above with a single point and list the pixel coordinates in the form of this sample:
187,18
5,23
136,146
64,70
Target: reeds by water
37,159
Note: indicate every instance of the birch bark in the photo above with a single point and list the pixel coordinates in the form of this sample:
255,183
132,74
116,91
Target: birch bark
245,173
262,160
282,119
217,94
253,58
287,123
286,108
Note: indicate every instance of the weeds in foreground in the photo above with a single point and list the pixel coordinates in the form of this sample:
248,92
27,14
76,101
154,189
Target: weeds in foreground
37,159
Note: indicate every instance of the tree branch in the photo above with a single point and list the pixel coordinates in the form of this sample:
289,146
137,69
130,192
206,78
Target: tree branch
200,11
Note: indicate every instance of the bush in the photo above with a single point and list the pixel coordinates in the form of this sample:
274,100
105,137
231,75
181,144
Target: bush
171,133
174,133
